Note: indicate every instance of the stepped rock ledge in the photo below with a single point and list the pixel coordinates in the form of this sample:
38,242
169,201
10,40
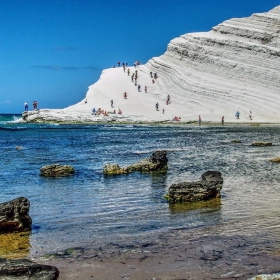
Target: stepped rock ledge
235,66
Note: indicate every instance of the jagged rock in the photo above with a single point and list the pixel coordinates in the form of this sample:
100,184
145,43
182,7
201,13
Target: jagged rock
261,144
157,162
24,269
114,169
14,215
208,187
55,170
277,159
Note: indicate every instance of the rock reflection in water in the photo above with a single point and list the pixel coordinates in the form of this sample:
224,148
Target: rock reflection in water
205,206
15,245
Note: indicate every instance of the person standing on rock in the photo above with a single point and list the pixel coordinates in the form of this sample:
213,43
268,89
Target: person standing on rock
25,106
199,120
223,120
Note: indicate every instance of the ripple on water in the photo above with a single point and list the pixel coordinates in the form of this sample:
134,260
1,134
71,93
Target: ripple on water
88,207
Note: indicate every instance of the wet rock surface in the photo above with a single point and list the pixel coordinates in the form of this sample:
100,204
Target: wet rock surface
14,215
24,269
55,170
178,254
208,187
156,163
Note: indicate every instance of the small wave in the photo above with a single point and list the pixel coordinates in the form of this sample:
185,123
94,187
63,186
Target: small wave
13,128
141,152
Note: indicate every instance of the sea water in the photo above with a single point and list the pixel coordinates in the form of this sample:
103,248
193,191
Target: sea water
89,208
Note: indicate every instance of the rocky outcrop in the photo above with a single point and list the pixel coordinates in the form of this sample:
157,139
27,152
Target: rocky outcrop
208,187
14,215
261,144
156,163
24,269
234,66
55,170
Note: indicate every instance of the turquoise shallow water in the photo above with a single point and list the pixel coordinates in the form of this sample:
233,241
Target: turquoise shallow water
90,208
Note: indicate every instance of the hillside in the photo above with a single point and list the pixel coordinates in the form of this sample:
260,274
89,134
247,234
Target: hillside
235,66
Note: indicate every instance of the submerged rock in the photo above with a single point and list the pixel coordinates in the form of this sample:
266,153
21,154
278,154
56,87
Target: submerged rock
235,141
262,144
25,269
55,170
14,215
157,162
208,187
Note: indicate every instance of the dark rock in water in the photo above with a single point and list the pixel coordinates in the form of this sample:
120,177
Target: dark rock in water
156,163
261,144
14,215
235,141
208,187
55,170
25,269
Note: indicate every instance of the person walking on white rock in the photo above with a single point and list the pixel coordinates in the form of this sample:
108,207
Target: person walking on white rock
168,99
237,115
250,115
157,106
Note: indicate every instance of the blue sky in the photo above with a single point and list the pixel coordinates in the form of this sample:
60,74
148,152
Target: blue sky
51,51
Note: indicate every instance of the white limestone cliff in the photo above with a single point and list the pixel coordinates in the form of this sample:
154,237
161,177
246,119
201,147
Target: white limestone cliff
235,66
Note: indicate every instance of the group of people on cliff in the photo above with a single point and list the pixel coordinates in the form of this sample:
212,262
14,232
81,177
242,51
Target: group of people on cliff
104,113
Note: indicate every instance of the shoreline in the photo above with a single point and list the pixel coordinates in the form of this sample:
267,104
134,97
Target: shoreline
118,121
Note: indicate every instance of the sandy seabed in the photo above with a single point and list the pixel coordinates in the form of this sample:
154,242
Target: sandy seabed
178,254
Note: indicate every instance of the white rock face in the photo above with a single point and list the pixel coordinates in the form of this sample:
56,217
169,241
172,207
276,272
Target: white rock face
233,67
